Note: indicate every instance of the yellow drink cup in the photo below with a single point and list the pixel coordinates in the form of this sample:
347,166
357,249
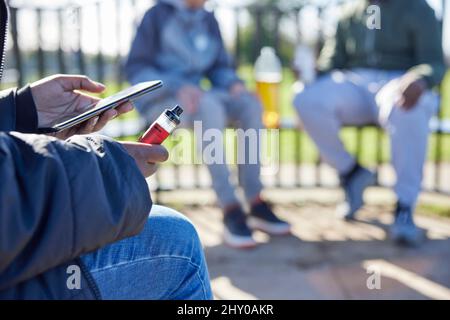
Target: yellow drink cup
269,94
268,79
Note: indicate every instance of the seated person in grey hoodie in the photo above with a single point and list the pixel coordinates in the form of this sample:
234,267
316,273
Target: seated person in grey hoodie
179,42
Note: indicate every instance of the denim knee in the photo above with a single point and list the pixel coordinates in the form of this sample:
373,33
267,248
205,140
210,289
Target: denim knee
175,233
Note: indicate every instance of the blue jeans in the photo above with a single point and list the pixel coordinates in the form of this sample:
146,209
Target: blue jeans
165,261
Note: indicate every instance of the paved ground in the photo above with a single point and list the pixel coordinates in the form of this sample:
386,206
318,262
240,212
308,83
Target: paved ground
326,258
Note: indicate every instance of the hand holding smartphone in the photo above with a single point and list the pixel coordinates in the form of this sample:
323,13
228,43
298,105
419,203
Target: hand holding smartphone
108,103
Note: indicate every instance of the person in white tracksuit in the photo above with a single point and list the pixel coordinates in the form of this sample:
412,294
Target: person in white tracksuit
383,77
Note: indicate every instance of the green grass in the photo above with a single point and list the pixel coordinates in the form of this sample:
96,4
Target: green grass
434,210
445,96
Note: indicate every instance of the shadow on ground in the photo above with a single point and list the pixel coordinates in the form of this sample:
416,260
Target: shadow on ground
326,258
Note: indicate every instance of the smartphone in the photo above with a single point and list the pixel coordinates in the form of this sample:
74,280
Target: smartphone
105,104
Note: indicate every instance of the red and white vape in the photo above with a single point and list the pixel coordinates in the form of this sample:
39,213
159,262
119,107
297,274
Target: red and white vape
162,127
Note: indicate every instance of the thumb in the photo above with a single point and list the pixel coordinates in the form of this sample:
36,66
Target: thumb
80,82
148,152
156,153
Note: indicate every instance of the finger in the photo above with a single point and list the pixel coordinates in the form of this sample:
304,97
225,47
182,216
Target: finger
85,102
408,97
153,153
124,108
80,82
64,134
104,118
411,102
149,169
401,102
88,126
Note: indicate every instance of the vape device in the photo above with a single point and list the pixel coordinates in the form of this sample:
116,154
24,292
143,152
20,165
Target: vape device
162,127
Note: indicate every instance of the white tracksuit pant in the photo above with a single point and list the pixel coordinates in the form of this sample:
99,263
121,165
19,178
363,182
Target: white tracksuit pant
363,96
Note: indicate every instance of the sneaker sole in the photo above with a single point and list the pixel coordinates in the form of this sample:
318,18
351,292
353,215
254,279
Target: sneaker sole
270,228
238,242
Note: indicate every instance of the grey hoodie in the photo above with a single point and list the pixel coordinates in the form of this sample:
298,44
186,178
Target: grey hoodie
179,46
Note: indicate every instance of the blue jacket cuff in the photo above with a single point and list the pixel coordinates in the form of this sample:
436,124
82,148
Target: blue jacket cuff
26,114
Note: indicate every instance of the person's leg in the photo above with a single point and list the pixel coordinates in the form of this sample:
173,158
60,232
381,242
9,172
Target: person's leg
323,107
164,261
212,117
245,111
408,132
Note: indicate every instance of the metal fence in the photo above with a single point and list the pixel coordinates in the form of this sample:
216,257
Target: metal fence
33,55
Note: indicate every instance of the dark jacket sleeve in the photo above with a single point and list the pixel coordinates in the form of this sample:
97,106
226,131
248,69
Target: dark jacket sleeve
60,199
18,111
428,50
7,110
221,74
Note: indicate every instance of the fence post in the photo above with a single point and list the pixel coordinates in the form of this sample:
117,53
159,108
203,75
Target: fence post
16,47
100,61
61,62
258,33
80,56
40,52
276,30
237,48
379,154
438,154
439,145
119,67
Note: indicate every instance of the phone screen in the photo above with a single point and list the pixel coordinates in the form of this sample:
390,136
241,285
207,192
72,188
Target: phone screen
110,102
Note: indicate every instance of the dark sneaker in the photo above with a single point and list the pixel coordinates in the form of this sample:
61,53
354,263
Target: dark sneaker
262,218
354,184
236,232
404,231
